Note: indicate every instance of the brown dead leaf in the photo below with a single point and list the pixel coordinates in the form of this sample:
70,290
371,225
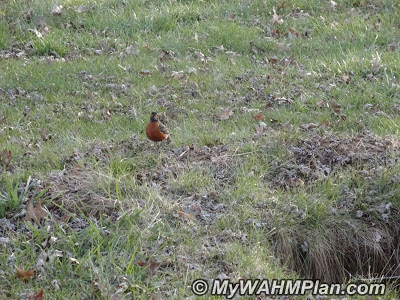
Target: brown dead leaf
343,117
337,108
259,116
292,33
346,78
36,214
152,265
24,275
320,104
6,157
309,126
106,114
145,72
226,114
38,296
393,45
281,6
273,59
325,123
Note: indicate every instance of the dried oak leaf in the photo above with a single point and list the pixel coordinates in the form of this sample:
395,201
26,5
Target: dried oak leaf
152,265
281,6
325,123
36,214
145,72
259,116
38,296
24,275
335,106
226,114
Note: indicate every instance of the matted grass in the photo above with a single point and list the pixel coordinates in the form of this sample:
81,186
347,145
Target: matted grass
302,181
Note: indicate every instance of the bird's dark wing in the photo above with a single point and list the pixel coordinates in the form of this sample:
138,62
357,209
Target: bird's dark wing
162,127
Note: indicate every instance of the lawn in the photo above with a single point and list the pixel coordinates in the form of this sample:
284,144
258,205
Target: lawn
283,159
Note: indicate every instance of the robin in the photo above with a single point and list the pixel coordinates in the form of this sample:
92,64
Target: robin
155,130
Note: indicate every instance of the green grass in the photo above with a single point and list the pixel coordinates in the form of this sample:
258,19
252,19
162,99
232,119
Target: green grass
220,199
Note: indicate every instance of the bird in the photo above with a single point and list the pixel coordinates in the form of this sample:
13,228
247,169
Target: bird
155,130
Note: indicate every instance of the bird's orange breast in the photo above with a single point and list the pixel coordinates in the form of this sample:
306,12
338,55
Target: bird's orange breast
154,133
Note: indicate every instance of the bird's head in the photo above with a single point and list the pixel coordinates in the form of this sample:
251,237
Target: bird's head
153,117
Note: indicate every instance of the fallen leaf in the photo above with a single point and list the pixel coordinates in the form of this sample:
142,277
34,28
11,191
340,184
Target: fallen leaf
179,75
226,114
319,104
74,260
273,60
145,72
276,19
346,78
106,114
24,275
281,6
259,116
36,32
6,157
371,77
152,265
335,106
292,33
325,123
38,296
309,126
56,11
36,214
332,4
393,46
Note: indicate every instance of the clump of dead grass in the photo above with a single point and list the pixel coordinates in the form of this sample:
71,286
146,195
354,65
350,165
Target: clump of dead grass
318,157
77,190
341,248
